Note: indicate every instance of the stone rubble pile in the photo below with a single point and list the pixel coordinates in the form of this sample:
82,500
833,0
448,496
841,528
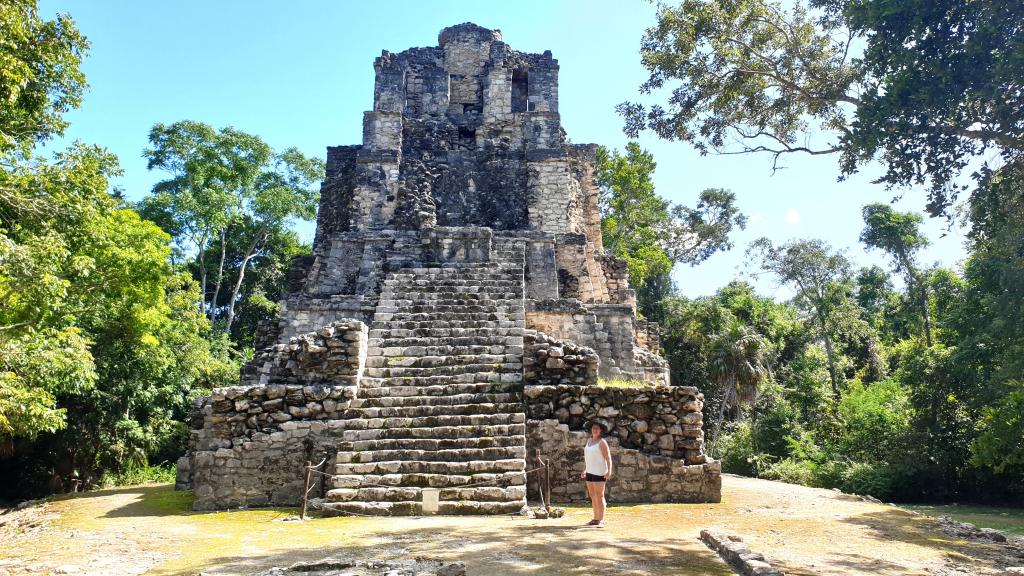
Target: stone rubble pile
552,361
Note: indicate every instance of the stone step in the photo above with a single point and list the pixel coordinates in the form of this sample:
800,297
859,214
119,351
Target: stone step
461,507
380,324
450,299
452,400
380,467
435,345
450,316
440,284
438,361
428,480
449,456
489,377
415,493
446,332
435,432
481,408
495,419
444,370
392,352
448,309
433,390
389,445
455,267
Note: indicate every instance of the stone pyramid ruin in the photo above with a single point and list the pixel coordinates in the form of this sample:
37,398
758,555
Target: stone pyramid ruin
454,317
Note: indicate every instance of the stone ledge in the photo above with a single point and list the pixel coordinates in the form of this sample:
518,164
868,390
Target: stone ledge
732,549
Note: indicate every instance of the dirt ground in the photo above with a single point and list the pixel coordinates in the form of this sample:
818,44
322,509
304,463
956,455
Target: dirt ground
803,531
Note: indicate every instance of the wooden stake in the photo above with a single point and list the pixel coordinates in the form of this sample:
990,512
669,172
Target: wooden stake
547,482
305,490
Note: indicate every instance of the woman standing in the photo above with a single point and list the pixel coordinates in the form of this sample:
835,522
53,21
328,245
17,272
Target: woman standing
598,470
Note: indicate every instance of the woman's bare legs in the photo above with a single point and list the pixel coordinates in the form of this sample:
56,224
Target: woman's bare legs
596,492
591,492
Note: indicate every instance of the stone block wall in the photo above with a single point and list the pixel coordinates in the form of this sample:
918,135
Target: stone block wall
248,445
636,476
332,355
661,420
553,205
547,360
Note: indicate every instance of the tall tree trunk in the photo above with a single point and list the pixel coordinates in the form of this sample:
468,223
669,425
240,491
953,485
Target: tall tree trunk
202,270
727,391
220,273
241,275
829,354
925,313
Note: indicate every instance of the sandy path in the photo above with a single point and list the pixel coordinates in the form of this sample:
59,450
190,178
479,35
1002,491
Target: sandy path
804,531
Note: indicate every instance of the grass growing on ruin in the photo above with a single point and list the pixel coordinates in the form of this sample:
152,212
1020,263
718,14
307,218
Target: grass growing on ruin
621,383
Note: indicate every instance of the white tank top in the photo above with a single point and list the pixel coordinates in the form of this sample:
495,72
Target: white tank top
596,464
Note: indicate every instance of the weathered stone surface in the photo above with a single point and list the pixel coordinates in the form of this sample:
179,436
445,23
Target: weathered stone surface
458,256
348,567
637,476
644,414
732,549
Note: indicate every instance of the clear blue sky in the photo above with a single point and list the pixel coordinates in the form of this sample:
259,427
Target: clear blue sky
301,74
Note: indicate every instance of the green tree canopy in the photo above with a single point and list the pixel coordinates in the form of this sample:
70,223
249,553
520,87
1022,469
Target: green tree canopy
224,183
651,233
898,234
934,86
40,75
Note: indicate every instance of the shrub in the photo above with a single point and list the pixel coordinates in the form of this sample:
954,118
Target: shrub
874,479
775,423
877,420
830,474
161,473
735,449
792,471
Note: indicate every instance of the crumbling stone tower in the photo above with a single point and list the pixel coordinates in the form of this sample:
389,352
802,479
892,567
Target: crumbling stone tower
457,264
462,152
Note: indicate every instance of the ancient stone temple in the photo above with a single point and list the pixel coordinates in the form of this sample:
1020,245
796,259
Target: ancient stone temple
454,317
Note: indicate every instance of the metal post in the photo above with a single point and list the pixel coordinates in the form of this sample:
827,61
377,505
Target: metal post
305,490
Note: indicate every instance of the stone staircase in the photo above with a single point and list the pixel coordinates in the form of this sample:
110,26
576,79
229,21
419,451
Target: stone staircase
441,394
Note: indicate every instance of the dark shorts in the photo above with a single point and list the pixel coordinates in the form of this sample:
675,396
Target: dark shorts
594,478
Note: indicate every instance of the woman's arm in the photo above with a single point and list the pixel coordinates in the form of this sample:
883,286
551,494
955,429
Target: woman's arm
607,458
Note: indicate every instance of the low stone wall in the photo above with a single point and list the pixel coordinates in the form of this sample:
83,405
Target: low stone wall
548,360
637,477
662,420
249,444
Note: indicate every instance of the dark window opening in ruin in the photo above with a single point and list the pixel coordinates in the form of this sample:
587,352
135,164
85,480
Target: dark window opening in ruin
520,91
467,137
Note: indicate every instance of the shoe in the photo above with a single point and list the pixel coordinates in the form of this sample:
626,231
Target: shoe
599,524
593,522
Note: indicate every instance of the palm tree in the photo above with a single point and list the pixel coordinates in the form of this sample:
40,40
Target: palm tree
739,361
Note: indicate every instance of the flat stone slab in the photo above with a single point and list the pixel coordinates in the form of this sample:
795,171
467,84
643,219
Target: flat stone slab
340,567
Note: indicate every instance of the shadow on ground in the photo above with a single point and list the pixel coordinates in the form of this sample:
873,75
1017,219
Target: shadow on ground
496,547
